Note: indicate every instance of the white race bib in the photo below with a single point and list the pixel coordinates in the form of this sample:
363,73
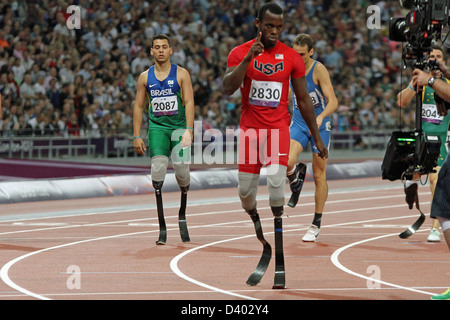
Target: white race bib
431,114
265,93
315,99
164,106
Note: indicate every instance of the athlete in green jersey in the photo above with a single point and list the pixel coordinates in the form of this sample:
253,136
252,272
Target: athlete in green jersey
168,89
432,123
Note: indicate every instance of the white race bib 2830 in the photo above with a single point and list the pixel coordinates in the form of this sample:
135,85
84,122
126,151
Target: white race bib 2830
265,93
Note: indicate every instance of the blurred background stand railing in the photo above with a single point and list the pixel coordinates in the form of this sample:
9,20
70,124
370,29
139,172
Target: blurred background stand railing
120,145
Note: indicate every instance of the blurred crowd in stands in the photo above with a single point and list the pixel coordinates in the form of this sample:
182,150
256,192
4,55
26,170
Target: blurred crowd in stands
56,80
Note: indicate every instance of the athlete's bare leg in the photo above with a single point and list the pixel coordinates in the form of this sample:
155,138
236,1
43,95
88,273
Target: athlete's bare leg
320,180
320,197
294,152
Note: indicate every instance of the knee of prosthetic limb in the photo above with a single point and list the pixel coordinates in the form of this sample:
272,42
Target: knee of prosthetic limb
182,174
247,189
159,168
276,183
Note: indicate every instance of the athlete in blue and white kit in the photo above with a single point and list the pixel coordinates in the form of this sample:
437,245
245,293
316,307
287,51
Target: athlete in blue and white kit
325,103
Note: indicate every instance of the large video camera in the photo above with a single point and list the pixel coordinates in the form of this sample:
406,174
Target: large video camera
414,152
422,27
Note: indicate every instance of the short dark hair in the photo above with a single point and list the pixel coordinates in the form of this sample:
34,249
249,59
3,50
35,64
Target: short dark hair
304,39
272,7
160,37
438,47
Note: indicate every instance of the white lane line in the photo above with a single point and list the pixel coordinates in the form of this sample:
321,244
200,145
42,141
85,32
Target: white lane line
74,214
178,292
40,224
338,264
177,271
5,269
191,203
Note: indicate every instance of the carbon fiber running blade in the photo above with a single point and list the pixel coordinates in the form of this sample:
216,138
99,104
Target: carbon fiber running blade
293,199
184,233
263,263
415,226
162,237
261,268
280,275
162,223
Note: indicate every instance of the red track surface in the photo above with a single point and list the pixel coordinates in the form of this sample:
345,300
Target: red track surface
104,248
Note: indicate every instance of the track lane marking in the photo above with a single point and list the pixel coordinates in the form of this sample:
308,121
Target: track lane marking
335,259
4,270
175,260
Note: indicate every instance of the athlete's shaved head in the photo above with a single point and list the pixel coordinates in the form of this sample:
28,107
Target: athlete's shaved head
271,7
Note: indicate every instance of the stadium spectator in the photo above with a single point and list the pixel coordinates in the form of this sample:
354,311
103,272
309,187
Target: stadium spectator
113,46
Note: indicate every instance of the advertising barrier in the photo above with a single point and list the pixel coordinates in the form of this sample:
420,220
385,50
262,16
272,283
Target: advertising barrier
134,184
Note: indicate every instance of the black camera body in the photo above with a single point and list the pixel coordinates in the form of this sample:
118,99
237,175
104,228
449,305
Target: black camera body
415,152
401,160
420,28
426,18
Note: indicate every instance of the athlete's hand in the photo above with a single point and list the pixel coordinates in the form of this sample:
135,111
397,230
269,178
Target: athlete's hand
256,49
323,151
139,146
319,121
186,139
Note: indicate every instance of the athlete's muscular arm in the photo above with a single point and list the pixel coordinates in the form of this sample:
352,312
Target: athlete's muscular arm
234,76
188,97
306,108
138,111
324,80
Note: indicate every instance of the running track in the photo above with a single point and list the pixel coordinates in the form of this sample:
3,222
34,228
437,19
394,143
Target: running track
104,248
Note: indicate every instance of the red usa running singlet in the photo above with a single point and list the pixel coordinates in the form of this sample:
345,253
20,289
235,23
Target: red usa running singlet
265,88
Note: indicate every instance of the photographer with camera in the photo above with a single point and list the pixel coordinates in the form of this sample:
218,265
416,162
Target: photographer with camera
441,88
440,207
432,122
422,27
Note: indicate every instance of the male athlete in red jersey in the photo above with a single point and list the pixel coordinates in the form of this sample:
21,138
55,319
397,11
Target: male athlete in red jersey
262,69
